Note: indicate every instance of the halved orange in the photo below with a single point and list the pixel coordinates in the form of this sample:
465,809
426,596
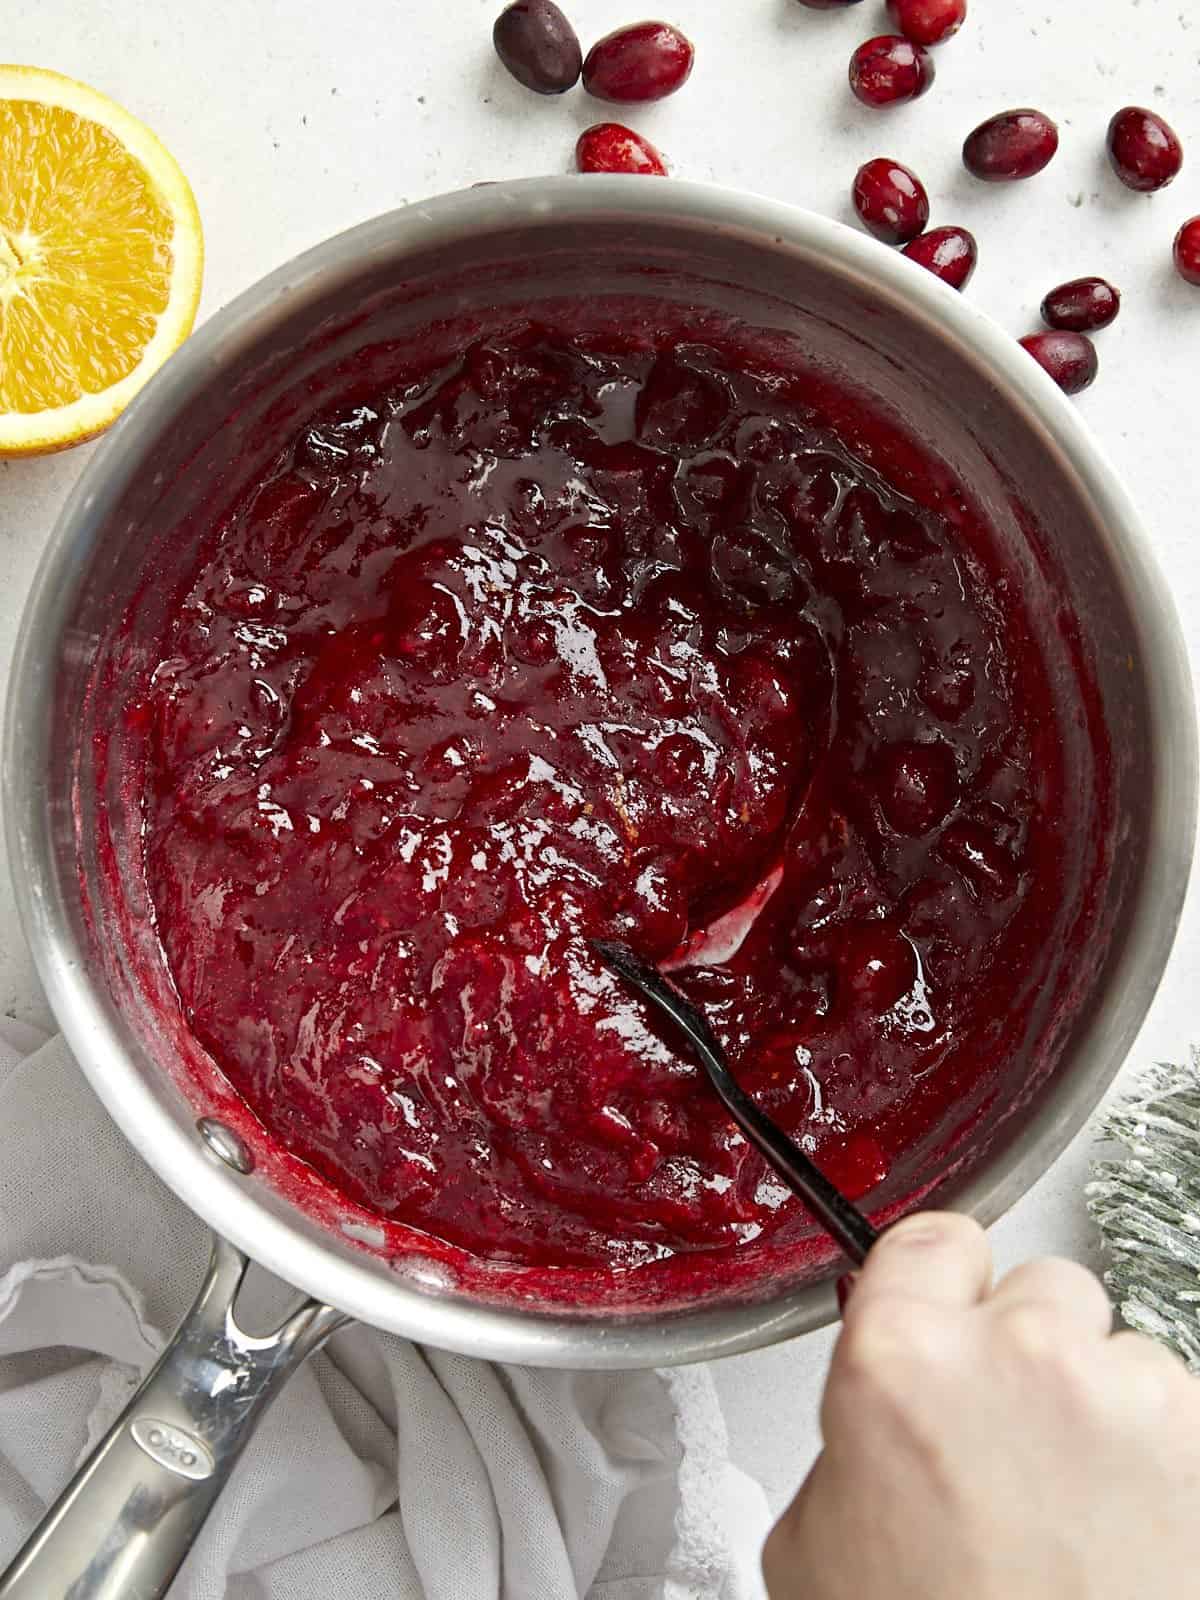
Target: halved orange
101,257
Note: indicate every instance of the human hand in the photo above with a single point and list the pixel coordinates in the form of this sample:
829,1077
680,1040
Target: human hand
997,1443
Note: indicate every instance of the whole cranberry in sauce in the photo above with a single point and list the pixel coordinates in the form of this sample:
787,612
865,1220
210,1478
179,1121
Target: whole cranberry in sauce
538,46
890,200
949,253
916,786
1081,306
876,966
611,147
1187,252
647,61
1145,152
928,21
1069,358
889,69
1014,144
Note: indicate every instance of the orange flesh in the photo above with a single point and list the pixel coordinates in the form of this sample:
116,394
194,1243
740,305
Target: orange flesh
85,257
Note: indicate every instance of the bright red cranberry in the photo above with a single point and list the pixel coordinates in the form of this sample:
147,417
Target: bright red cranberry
645,62
1015,144
538,46
1145,153
1187,252
889,69
890,200
610,147
1069,358
928,21
949,253
1081,306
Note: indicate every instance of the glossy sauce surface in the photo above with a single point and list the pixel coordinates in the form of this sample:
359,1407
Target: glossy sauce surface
592,637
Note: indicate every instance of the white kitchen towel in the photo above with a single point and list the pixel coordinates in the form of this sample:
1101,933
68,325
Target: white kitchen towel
385,1471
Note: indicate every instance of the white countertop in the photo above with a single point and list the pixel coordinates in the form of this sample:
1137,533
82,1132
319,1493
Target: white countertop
295,119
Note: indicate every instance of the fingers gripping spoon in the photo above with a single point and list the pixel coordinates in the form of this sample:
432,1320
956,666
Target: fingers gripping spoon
844,1221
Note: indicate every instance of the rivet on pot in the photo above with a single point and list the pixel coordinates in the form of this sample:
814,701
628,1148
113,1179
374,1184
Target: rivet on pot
226,1145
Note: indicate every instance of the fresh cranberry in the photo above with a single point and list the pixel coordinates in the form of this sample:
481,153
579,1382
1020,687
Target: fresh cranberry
928,21
949,253
538,46
889,69
647,61
1145,153
1187,252
1069,358
1015,144
917,786
610,147
827,5
1081,306
890,200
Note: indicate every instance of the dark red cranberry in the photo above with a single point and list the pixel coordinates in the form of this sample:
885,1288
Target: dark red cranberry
1069,358
890,200
1145,153
610,147
974,849
949,253
876,966
827,5
644,62
889,69
917,786
679,408
1015,144
1187,252
948,690
928,21
538,46
1081,306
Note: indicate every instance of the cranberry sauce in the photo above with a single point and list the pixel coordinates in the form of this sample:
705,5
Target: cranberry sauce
596,636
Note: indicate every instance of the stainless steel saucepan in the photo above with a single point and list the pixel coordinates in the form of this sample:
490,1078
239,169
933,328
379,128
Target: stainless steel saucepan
866,315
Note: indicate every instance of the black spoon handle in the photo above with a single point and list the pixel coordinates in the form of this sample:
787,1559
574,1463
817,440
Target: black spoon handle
823,1198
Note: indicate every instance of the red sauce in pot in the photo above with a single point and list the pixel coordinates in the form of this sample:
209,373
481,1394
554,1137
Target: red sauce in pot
589,637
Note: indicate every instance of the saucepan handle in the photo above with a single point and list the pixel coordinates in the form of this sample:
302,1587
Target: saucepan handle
122,1527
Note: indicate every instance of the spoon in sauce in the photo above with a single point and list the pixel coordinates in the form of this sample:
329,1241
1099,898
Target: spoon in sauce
840,1216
